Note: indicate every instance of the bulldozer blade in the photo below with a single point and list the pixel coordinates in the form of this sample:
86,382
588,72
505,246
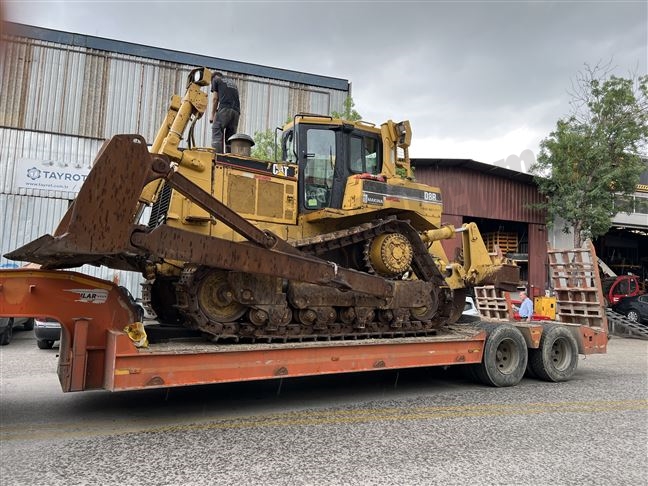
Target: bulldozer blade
94,227
504,277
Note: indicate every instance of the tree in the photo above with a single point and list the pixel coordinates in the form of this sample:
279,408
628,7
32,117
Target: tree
348,113
594,155
264,146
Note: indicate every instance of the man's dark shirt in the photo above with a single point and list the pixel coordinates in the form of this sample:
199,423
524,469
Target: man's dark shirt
228,96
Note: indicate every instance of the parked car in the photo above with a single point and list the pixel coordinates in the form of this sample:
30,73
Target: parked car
7,325
48,331
470,312
616,288
634,308
470,309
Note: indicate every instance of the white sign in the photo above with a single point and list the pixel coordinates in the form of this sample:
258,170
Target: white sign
48,176
91,296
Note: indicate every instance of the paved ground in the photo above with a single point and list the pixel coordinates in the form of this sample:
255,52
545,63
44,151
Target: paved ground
414,427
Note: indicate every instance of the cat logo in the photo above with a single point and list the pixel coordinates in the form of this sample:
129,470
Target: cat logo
280,169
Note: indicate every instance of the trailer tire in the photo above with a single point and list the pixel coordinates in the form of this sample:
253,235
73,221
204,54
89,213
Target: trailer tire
557,357
505,357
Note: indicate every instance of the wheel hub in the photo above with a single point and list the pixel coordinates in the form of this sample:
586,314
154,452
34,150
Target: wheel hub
390,254
215,298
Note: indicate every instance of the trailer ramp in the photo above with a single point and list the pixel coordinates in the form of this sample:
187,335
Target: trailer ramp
621,326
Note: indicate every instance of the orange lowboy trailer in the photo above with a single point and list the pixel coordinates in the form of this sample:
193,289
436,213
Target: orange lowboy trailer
96,352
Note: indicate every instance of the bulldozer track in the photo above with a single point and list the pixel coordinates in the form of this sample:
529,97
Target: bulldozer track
208,303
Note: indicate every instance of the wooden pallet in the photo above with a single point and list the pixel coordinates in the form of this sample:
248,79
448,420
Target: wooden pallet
577,284
493,304
506,242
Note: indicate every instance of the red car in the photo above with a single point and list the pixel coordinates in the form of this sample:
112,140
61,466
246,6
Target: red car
615,288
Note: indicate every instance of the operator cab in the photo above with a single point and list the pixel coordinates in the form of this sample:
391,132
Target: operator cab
328,151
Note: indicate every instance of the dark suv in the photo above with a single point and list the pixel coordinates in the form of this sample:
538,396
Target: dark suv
46,331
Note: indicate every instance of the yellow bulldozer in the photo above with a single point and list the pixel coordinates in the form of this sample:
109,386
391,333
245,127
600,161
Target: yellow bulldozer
333,241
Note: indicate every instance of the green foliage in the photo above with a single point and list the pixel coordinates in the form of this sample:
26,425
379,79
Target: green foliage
348,113
594,155
402,172
264,146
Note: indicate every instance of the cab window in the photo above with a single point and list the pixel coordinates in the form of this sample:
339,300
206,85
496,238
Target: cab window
363,155
319,169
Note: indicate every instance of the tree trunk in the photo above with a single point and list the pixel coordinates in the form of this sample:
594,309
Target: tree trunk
577,235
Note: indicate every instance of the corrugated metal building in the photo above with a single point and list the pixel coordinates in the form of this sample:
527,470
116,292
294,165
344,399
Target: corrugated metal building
63,94
500,201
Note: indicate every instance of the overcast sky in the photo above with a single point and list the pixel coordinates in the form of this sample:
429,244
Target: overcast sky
481,80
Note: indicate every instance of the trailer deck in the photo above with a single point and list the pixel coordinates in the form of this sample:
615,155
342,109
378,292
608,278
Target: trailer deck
97,353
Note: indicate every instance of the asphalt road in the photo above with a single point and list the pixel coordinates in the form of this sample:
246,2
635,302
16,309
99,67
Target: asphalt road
384,428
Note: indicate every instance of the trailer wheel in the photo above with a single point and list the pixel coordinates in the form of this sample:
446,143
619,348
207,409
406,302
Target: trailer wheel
557,357
505,357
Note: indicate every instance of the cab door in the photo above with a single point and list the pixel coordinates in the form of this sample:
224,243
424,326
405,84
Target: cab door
320,163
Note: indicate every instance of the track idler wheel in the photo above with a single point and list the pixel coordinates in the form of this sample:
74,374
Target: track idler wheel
208,297
390,254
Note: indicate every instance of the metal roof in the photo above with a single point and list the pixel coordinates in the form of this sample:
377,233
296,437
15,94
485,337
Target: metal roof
128,48
471,164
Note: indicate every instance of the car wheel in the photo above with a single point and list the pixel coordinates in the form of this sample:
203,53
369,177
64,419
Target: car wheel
7,334
633,315
45,344
29,324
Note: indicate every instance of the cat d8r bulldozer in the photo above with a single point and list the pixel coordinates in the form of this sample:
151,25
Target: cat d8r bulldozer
334,241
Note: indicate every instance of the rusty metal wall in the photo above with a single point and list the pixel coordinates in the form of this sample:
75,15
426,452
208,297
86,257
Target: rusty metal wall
474,194
471,194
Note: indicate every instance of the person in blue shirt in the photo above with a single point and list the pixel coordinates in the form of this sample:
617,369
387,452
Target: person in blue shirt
526,307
